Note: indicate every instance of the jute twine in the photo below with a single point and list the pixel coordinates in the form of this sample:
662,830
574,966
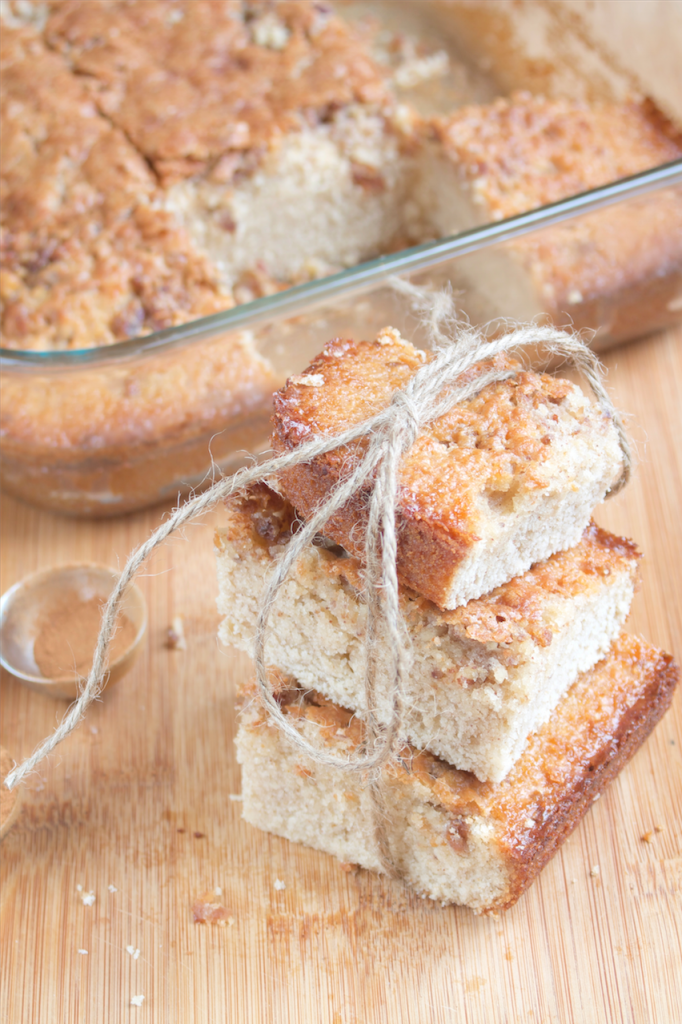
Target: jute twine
432,392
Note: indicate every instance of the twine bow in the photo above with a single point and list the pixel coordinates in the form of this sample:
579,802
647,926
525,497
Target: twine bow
429,394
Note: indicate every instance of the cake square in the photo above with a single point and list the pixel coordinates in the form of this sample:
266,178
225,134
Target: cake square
483,677
503,480
451,837
617,267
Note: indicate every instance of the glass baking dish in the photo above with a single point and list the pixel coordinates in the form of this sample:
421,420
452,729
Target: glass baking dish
100,432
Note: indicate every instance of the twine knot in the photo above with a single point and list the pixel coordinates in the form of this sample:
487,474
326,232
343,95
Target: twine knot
407,420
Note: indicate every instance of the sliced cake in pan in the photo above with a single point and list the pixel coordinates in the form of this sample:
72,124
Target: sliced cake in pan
619,267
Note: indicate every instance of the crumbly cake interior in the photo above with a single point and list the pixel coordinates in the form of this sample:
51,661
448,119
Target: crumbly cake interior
453,838
309,208
484,676
498,483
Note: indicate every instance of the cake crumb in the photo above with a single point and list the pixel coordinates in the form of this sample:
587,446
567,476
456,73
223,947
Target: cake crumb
279,884
175,639
235,796
88,898
595,798
135,953
112,888
136,1000
389,336
207,910
421,69
308,380
594,871
350,869
83,951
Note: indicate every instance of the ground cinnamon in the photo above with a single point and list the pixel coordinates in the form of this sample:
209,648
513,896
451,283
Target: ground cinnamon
66,637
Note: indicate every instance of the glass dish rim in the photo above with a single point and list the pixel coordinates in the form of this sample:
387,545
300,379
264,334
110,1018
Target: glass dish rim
352,280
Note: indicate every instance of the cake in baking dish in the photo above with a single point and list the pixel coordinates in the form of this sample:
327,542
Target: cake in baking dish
173,156
162,160
494,161
483,677
451,837
503,480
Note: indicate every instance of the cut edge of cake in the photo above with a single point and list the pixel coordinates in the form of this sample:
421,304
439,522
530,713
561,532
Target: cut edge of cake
452,838
483,677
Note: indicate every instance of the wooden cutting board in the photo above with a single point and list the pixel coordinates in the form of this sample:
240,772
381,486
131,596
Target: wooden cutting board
140,807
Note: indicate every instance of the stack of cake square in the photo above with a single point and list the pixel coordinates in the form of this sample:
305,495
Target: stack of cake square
525,698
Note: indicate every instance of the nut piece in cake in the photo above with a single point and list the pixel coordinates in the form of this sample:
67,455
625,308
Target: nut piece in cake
483,677
500,482
451,837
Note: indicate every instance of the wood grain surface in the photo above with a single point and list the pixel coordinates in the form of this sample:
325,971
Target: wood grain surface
140,799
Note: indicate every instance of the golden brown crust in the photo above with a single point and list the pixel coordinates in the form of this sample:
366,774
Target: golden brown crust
198,85
595,730
261,517
519,610
493,447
